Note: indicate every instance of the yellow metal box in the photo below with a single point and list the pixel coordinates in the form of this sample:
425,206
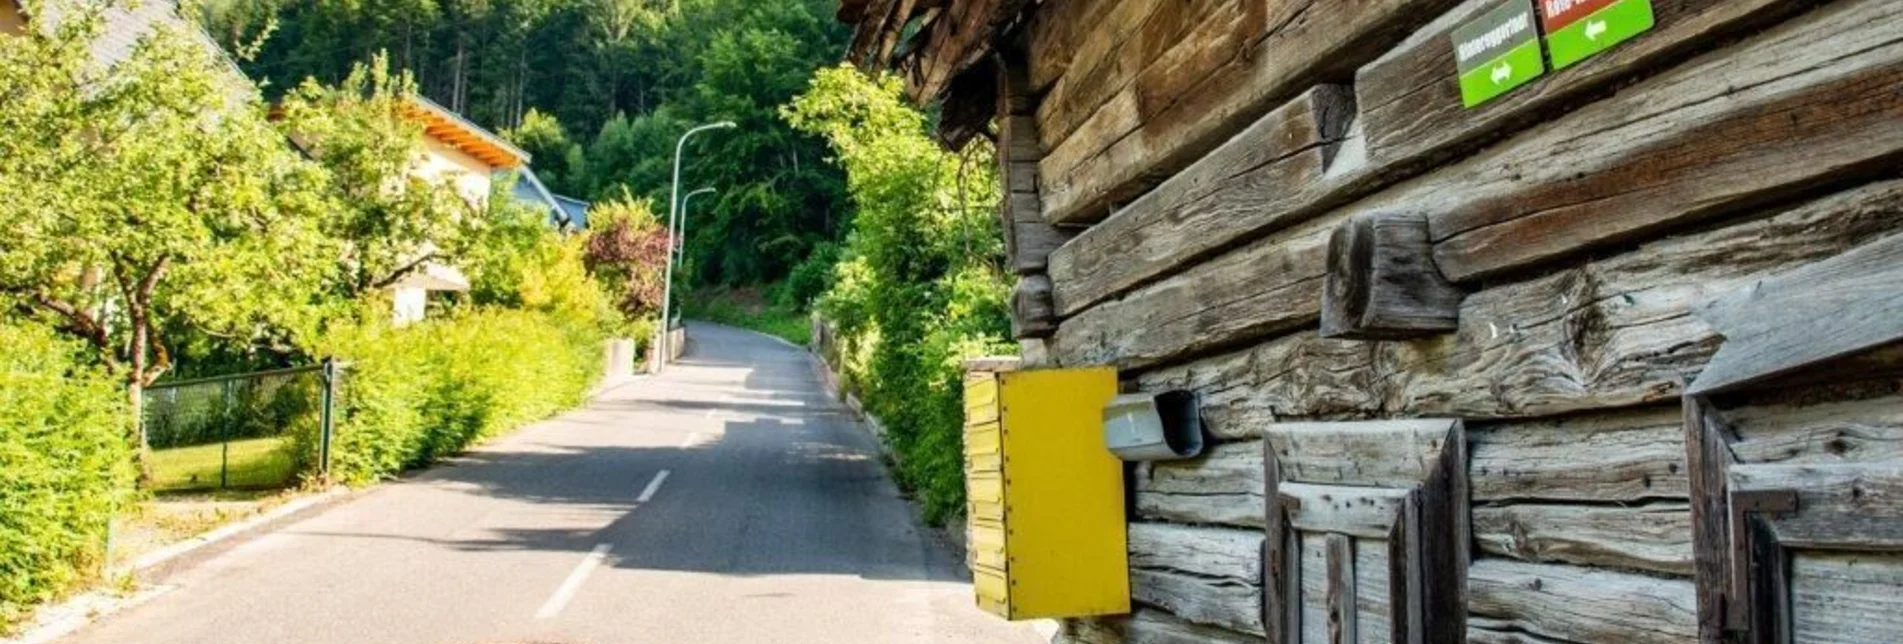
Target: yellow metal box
1045,498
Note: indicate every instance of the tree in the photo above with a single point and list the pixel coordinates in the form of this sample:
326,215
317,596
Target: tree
920,284
151,192
390,220
627,252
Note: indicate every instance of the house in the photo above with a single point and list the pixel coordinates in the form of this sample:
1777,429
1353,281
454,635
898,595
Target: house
564,213
125,24
469,159
1510,321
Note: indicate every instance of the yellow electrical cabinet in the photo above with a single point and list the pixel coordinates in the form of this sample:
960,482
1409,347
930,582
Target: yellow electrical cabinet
1045,498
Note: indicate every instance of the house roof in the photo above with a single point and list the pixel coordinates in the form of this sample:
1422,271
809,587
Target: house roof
471,139
577,211
528,189
126,23
941,48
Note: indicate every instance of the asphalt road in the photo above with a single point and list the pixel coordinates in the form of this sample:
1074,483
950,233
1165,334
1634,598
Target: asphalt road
727,500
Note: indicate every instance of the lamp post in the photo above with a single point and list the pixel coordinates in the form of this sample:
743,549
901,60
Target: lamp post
673,215
681,251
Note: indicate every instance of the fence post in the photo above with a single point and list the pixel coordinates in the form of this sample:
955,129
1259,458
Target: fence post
323,441
224,441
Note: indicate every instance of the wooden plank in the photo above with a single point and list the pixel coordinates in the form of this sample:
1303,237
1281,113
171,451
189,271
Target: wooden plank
1808,316
1222,487
1341,591
1228,605
1441,532
1312,602
1245,185
1382,284
1574,604
1706,458
1774,115
1373,622
1844,598
1230,555
1388,453
1414,118
1619,456
1207,308
1031,312
1097,70
1148,626
1652,537
1306,40
1058,28
1856,506
1281,590
1210,306
1603,334
1357,511
1844,431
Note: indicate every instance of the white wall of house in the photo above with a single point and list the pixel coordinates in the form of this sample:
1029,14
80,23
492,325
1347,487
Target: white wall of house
443,163
411,304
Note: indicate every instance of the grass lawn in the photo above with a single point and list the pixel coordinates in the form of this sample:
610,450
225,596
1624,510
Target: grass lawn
258,462
747,309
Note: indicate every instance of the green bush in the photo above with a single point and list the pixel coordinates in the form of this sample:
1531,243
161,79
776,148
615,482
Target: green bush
415,394
64,467
920,284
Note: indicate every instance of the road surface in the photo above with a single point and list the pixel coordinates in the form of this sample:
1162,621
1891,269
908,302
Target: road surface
727,500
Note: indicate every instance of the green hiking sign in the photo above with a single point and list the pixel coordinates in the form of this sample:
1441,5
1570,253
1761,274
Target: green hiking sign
1498,51
1577,29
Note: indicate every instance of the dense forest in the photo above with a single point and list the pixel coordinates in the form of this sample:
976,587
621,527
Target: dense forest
597,91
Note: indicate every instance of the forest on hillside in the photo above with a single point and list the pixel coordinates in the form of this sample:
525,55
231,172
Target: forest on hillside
597,91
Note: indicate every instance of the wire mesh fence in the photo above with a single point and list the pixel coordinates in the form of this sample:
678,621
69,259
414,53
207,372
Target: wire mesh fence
259,430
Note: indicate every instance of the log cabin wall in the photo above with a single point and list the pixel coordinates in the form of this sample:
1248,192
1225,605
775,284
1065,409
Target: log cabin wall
1194,160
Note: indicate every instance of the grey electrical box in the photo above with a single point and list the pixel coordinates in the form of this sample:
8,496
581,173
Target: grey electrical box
1154,427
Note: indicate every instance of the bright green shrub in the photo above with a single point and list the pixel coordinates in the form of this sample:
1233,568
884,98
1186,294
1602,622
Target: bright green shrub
64,467
919,286
415,394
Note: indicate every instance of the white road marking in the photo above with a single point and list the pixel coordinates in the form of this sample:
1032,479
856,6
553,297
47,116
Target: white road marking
570,586
653,486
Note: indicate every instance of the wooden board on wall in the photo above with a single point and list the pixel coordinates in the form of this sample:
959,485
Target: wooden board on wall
1205,307
1610,333
1206,89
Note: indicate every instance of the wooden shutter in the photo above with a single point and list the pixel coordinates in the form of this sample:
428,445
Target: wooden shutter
1367,532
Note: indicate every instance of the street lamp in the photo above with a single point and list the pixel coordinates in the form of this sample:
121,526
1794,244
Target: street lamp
681,252
673,215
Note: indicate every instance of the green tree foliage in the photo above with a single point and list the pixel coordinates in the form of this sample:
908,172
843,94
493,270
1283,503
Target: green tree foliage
390,219
597,91
63,467
920,286
149,196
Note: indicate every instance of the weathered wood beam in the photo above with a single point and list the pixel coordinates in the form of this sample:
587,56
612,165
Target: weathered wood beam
1128,36
1807,433
1058,28
1216,82
1204,575
1806,317
1569,603
1028,240
1653,537
1245,185
1246,293
1603,334
1031,312
1617,456
1382,284
1224,486
1808,102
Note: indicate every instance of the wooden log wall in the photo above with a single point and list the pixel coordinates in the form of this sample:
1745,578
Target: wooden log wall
1195,159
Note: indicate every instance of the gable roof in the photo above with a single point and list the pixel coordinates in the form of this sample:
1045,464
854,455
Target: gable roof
449,127
126,23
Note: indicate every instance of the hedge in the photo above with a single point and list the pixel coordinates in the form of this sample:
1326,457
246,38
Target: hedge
64,467
415,394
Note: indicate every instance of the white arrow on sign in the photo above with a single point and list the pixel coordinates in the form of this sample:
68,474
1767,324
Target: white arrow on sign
1502,72
1595,29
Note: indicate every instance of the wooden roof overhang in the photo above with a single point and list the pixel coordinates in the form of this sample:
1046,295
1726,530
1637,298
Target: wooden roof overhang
941,48
471,139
